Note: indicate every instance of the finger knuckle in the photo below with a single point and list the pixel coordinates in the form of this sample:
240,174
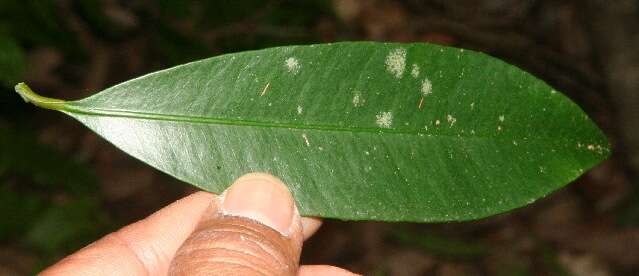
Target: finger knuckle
236,246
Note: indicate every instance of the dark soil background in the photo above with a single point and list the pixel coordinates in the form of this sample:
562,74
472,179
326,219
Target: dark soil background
61,186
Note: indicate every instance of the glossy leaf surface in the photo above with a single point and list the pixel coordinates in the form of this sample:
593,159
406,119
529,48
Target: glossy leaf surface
358,130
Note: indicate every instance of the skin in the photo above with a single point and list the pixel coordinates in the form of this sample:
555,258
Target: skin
253,228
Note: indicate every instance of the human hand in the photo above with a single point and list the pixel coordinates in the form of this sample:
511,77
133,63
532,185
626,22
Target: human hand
253,228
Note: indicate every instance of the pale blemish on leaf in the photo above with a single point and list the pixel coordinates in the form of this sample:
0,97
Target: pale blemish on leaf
396,62
597,148
306,140
384,119
472,106
300,109
437,122
451,120
268,85
293,65
358,100
501,118
427,87
415,71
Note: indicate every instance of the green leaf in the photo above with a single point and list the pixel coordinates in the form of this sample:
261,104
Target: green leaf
358,130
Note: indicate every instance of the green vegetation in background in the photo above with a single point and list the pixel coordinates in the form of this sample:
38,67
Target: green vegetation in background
47,200
628,213
93,13
269,23
66,226
12,68
12,61
300,13
18,210
48,169
175,47
39,24
214,14
439,244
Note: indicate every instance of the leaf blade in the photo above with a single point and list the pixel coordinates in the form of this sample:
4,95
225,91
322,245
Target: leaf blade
358,130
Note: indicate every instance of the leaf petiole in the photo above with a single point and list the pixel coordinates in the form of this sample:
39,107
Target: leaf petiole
31,97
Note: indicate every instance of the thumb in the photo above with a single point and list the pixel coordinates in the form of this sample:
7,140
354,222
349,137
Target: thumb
253,228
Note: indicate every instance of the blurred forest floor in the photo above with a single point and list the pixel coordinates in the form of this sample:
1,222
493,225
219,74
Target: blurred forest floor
61,186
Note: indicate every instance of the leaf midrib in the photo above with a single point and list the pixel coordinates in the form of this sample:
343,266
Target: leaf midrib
208,120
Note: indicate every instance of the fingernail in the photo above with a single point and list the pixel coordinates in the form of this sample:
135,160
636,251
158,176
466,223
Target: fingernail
263,198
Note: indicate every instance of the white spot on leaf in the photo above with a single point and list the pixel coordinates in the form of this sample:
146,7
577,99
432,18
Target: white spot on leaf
293,65
415,71
299,109
451,120
384,119
427,87
396,62
358,100
501,118
306,140
266,87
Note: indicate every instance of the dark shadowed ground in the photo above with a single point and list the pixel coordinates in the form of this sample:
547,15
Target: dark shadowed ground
61,186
